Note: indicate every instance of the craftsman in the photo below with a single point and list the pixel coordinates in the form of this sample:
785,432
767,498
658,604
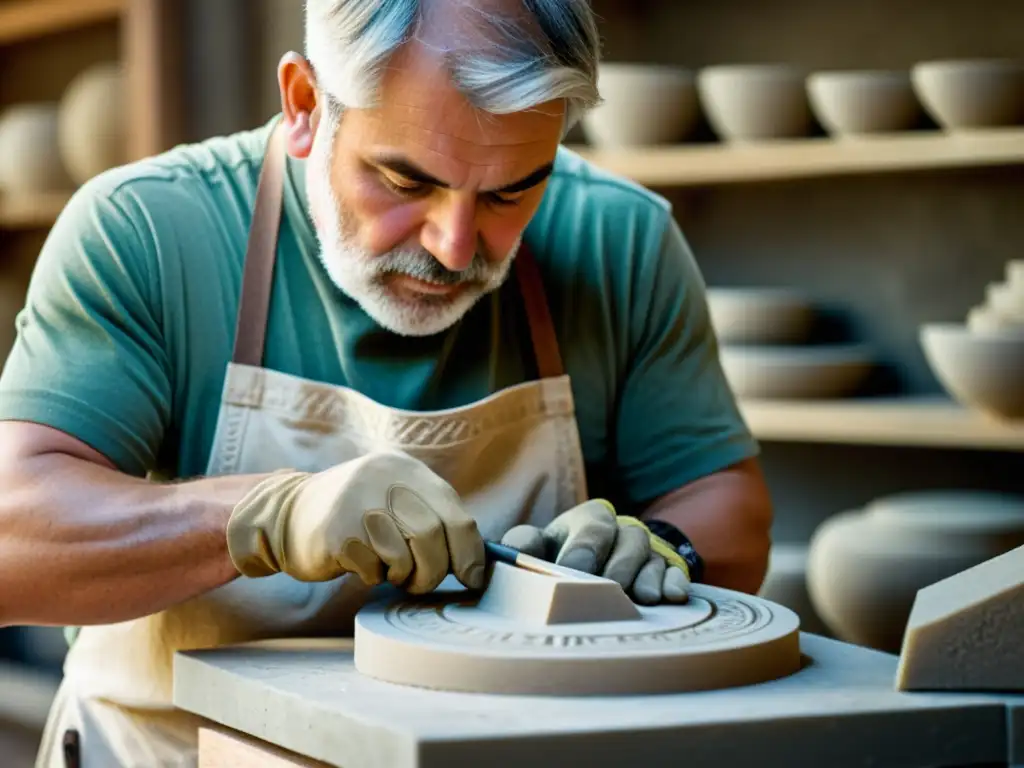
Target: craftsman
259,375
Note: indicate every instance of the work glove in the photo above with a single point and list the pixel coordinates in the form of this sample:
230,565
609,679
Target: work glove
592,538
384,517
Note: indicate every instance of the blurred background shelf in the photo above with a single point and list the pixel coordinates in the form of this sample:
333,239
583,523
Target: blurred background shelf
31,211
925,422
695,164
22,20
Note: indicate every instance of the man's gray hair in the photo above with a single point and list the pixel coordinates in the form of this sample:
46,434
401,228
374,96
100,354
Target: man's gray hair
519,61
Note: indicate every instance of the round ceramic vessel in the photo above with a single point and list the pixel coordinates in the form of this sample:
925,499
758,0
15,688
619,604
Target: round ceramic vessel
643,105
971,93
754,102
982,371
719,639
865,567
30,160
858,103
92,127
834,370
759,315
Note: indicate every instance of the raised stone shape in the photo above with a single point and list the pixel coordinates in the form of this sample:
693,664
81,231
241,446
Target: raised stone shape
966,632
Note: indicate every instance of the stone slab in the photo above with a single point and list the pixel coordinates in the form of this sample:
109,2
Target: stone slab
840,710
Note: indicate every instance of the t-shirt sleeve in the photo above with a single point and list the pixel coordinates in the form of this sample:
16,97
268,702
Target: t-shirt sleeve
89,358
677,420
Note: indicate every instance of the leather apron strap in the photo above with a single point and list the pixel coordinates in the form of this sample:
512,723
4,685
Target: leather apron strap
261,256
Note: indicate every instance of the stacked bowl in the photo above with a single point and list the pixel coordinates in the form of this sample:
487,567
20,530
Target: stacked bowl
980,362
765,352
651,104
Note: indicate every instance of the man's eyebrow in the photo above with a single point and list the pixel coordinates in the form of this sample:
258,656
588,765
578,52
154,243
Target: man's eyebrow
409,170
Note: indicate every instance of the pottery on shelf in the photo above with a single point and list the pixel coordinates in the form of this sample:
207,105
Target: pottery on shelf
971,93
760,315
982,371
753,102
798,372
30,161
92,125
865,567
856,103
643,104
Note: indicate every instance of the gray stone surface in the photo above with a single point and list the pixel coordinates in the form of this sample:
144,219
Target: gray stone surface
840,710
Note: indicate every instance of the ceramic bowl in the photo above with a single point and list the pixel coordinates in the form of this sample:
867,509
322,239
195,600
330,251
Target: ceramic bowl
643,105
971,93
863,102
1015,275
752,102
865,567
1005,300
29,157
763,372
982,371
759,315
983,319
92,127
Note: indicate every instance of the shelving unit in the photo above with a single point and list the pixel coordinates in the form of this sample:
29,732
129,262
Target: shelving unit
22,20
147,36
719,163
924,422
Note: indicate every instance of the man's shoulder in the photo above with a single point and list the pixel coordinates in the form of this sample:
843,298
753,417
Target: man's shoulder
171,188
599,193
592,218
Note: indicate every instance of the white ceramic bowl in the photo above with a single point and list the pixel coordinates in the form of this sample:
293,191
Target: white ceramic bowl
984,319
796,372
971,93
983,371
863,102
92,125
643,105
865,567
29,156
1015,275
753,102
1005,300
759,315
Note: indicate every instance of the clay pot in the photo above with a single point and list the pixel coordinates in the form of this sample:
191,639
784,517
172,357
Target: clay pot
30,161
965,94
865,567
92,126
982,371
752,102
759,315
795,372
643,105
860,103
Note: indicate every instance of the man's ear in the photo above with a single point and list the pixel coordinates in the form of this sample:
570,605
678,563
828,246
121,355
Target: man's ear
300,105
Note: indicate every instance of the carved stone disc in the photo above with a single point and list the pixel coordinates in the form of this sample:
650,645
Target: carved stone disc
720,639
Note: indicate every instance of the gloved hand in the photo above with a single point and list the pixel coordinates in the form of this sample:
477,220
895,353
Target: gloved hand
385,516
592,538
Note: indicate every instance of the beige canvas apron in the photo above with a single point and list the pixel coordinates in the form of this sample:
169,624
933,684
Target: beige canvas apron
514,457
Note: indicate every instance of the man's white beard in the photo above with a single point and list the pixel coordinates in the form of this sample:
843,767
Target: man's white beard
363,275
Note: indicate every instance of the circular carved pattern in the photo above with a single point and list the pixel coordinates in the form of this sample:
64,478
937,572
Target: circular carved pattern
729,618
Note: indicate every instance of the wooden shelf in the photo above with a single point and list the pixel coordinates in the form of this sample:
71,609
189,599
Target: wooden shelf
25,19
31,211
705,164
921,422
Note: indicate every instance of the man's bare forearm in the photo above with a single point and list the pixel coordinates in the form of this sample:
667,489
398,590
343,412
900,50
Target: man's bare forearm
84,544
728,517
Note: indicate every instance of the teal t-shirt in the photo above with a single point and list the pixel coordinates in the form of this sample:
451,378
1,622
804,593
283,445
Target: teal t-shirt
130,320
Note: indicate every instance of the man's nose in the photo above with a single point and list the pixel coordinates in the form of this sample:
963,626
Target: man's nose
451,234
